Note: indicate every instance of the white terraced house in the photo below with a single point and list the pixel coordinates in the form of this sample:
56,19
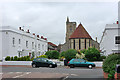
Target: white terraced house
19,43
110,41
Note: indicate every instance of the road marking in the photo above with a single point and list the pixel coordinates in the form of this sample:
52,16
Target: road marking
65,78
22,75
10,72
1,73
18,72
74,74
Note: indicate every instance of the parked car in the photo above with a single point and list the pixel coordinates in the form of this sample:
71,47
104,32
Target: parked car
80,63
43,62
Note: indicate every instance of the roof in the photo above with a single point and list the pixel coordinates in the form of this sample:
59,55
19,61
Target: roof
80,32
52,44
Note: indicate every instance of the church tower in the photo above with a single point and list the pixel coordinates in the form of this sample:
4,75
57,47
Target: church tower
70,28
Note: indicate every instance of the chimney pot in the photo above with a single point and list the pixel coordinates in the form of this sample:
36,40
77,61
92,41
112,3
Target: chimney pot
19,28
33,33
117,22
42,37
38,36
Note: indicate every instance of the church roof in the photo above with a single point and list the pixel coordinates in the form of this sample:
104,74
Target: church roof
80,32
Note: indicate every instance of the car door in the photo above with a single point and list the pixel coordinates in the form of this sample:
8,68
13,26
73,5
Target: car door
82,63
45,62
76,62
38,62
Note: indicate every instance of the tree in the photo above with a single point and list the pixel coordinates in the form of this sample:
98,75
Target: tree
69,54
92,54
52,54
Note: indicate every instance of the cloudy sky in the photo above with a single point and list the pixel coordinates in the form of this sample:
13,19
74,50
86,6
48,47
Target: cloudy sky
49,18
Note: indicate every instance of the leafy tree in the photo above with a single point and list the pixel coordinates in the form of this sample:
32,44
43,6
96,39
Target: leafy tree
69,54
52,54
92,54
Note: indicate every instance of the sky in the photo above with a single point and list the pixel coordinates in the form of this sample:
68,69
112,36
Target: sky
48,19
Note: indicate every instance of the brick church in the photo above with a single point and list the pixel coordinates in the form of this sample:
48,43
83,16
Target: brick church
77,38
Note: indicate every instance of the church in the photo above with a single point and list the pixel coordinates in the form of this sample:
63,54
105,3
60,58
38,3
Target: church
77,38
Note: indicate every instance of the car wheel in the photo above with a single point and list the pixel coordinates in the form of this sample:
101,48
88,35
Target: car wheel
34,65
72,66
90,66
50,66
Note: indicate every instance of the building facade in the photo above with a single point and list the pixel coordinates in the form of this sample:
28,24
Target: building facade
77,38
51,46
21,43
110,41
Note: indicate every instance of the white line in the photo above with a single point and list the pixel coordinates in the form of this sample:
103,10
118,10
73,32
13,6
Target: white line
1,73
18,72
22,74
74,74
65,78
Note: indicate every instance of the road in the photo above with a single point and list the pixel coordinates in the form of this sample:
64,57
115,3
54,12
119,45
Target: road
59,72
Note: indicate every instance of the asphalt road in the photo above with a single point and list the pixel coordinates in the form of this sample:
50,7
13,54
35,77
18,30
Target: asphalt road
53,72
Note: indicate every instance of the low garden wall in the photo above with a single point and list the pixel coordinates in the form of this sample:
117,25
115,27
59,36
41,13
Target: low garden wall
61,63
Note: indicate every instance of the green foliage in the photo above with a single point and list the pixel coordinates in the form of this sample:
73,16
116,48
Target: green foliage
42,56
11,58
15,58
83,51
62,54
109,64
92,54
52,54
7,58
69,54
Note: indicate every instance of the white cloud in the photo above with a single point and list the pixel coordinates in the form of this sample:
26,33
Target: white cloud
49,18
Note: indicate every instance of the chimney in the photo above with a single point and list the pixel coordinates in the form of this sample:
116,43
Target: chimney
38,36
96,39
28,31
19,28
42,37
45,38
33,33
117,22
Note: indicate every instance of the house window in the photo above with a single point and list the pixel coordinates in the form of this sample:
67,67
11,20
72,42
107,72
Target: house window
27,44
13,41
19,41
85,43
117,40
74,44
39,46
43,47
32,45
79,44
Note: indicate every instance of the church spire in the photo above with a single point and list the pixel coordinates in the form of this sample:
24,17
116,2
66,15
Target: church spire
67,19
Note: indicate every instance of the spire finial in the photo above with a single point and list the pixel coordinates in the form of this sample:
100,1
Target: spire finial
67,19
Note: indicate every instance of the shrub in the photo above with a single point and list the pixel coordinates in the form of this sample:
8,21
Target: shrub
92,54
42,56
62,54
52,54
109,64
7,58
11,58
69,54
15,58
48,53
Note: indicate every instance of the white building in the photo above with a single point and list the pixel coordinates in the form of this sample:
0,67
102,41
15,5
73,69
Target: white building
21,43
110,41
